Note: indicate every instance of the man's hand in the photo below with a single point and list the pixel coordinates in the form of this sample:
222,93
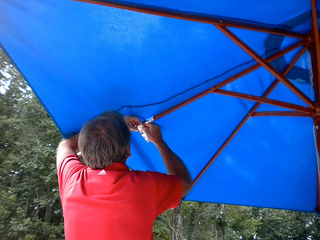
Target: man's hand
132,123
153,133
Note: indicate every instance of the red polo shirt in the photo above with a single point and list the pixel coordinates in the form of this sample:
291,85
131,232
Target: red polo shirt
113,203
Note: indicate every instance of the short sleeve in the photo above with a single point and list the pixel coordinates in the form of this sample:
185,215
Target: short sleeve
69,165
168,191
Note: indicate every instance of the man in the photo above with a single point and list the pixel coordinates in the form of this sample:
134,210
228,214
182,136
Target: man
104,199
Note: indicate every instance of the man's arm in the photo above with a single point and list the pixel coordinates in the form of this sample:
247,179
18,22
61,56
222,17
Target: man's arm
67,147
173,163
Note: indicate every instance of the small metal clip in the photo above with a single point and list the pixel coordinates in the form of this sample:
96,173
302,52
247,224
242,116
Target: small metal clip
149,120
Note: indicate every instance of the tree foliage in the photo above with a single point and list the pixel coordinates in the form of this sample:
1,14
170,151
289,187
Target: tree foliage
219,221
29,195
30,206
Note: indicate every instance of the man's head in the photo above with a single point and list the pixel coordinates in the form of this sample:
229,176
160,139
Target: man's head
105,140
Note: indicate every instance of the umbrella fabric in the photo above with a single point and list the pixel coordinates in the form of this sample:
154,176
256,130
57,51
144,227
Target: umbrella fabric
145,57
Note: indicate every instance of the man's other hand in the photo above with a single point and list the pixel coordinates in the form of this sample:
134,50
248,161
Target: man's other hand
132,123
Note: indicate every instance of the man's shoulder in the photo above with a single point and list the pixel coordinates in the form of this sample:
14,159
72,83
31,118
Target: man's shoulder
70,162
73,158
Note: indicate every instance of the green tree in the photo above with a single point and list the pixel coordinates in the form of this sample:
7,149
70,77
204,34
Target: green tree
218,221
162,227
283,224
29,197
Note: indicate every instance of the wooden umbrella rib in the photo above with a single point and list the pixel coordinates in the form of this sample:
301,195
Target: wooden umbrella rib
280,114
194,17
257,65
250,113
229,80
284,113
264,100
266,65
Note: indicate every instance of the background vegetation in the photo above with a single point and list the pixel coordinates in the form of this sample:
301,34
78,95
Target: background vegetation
29,196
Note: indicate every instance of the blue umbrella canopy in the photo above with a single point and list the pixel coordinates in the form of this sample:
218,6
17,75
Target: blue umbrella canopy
234,85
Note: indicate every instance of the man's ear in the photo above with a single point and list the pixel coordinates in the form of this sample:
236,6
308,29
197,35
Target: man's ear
128,152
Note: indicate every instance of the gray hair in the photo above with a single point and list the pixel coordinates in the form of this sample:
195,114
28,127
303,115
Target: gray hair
104,140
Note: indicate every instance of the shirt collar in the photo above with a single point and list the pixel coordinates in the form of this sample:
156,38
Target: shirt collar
118,166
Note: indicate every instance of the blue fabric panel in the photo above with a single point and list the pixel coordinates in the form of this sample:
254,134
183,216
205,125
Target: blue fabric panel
82,59
286,15
276,174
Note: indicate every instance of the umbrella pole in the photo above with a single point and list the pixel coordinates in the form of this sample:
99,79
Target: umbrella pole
317,141
315,58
